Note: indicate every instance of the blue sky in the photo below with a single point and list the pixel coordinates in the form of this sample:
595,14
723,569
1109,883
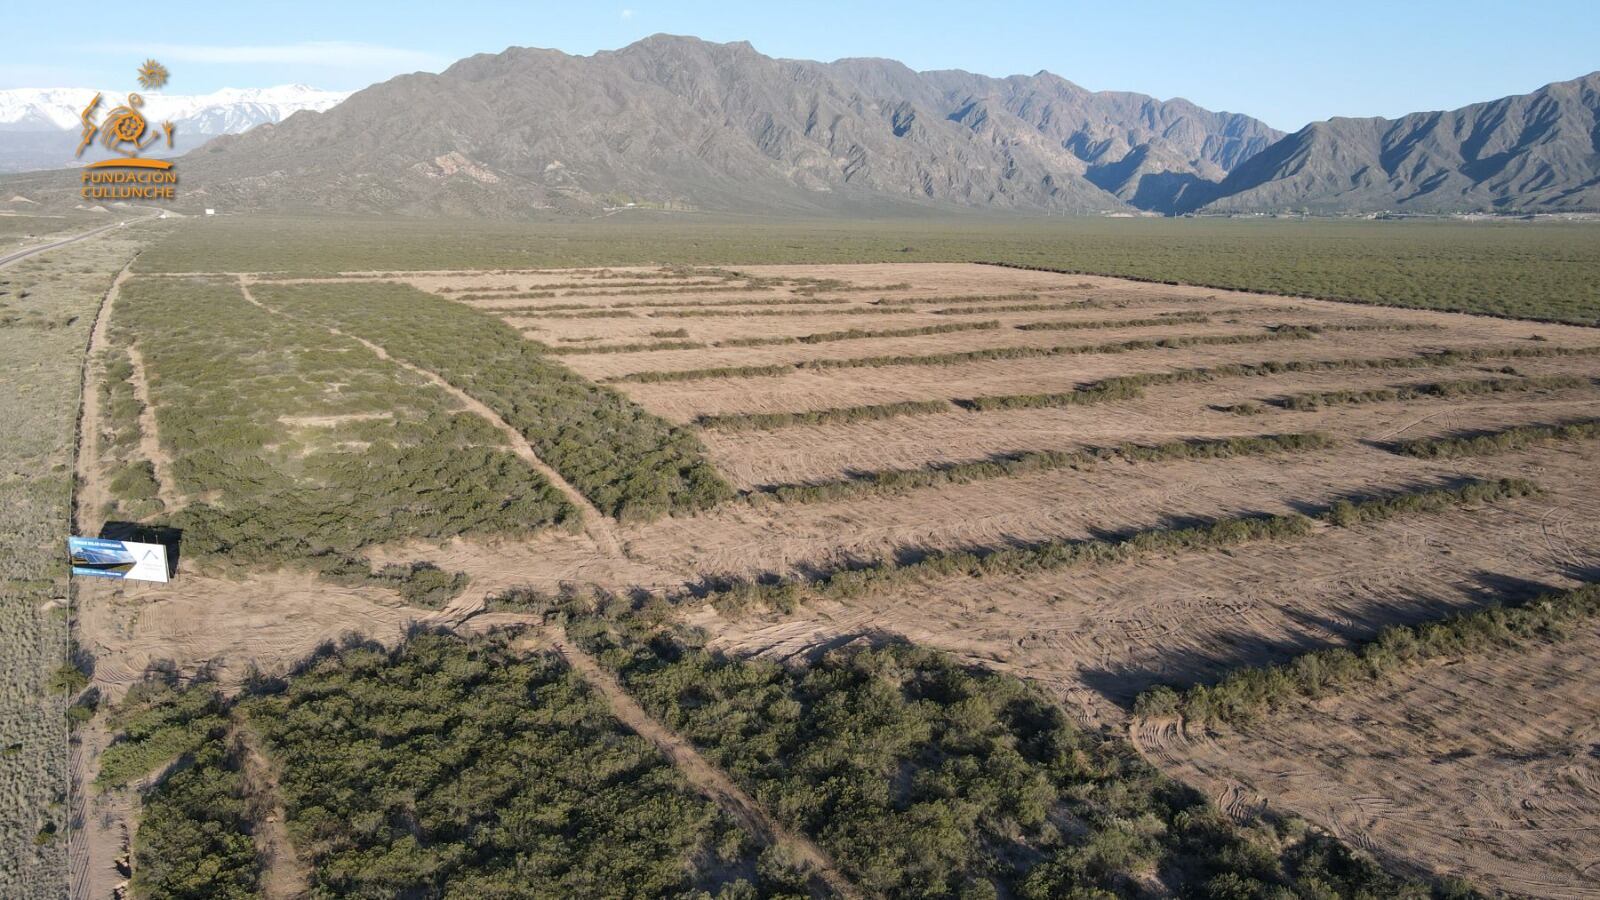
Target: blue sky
1284,62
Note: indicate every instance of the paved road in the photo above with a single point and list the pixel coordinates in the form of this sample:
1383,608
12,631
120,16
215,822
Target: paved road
12,257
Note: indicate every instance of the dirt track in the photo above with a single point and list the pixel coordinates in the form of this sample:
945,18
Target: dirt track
705,777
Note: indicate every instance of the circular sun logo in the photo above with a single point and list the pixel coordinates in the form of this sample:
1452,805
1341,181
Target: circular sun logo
152,75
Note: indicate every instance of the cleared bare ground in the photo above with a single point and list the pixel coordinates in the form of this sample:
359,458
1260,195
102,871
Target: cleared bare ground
1096,636
1486,766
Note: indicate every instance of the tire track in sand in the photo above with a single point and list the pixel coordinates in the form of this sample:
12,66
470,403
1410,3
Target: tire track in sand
596,525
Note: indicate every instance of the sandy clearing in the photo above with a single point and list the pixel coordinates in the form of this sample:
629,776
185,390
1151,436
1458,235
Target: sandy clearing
1105,633
269,620
1486,767
798,454
826,388
708,329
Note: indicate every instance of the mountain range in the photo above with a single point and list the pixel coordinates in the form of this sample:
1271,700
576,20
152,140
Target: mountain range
39,126
680,123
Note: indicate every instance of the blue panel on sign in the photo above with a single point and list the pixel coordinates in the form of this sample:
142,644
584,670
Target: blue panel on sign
100,558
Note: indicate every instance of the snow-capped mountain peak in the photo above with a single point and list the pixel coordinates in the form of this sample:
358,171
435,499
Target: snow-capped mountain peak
228,111
39,126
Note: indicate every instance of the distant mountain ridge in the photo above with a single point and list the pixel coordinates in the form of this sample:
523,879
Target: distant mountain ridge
1530,152
680,122
38,126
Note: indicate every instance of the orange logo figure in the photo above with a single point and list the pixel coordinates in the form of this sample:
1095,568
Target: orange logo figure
125,124
126,176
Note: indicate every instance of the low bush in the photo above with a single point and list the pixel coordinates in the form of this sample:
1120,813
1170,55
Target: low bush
925,778
785,594
1349,513
627,462
156,724
734,312
245,408
1429,390
1505,440
854,334
443,768
1178,318
194,840
940,300
420,583
1247,408
843,415
1054,306
452,767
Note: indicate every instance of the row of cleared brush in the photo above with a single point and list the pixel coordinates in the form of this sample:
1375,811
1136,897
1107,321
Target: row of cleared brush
849,334
1461,387
899,571
1163,320
1128,387
959,357
1246,693
1502,440
1024,462
1131,387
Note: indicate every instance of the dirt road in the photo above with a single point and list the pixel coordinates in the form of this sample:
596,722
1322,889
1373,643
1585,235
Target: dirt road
705,776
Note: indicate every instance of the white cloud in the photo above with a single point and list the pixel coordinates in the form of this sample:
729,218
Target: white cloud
332,54
627,13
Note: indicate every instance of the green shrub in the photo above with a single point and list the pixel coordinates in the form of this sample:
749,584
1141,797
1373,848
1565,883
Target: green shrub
627,462
227,386
1435,389
922,777
1247,692
453,767
1174,318
193,840
843,415
1505,440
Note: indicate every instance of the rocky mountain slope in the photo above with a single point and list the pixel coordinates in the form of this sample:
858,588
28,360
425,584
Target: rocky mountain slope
679,122
1530,152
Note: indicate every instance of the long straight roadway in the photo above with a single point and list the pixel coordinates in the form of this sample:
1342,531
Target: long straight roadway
26,252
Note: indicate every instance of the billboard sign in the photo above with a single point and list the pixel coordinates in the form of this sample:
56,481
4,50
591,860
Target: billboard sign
101,558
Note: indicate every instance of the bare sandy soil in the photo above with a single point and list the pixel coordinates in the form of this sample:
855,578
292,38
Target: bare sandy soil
1094,636
1487,767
